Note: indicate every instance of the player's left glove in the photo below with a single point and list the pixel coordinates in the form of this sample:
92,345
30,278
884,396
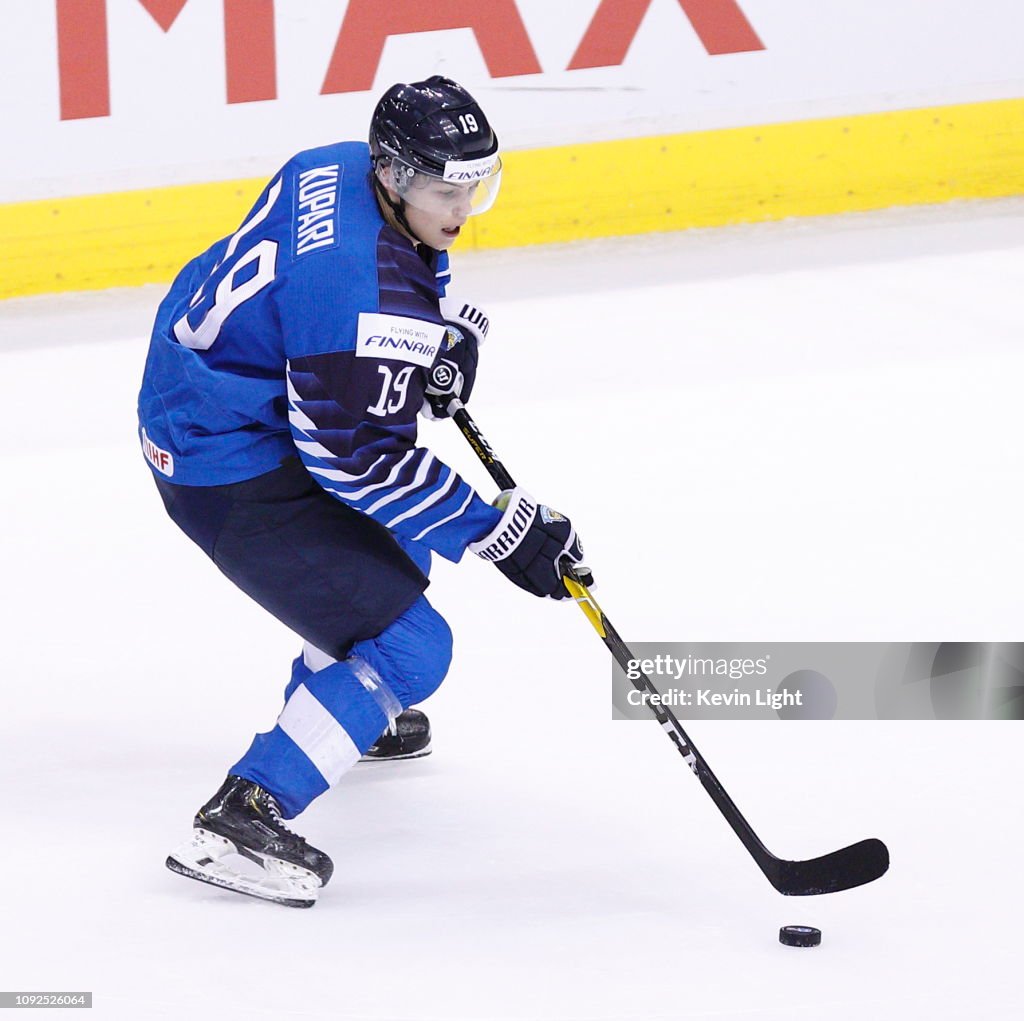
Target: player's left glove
532,544
455,369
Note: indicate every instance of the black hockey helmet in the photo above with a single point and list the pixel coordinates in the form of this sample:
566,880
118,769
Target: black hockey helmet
434,129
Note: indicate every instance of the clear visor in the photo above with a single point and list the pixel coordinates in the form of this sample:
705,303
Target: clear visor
451,198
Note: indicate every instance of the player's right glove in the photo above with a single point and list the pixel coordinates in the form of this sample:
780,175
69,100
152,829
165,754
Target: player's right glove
455,371
530,543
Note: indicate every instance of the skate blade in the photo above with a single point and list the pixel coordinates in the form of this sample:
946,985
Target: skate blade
280,882
397,758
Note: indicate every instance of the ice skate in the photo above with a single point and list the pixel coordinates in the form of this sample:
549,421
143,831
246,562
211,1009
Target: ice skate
407,737
244,819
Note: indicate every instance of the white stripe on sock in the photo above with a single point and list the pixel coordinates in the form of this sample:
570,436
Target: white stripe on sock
316,659
323,740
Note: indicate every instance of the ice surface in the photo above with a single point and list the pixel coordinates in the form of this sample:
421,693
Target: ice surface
806,431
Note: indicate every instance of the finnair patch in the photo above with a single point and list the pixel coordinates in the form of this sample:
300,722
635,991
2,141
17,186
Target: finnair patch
398,338
468,171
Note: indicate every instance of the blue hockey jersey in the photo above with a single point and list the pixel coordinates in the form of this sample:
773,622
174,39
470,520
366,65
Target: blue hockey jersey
310,330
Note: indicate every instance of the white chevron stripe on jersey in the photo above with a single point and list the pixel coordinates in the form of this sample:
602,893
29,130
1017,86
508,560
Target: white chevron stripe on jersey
444,484
336,474
293,394
416,483
297,418
444,521
323,740
313,448
299,422
357,494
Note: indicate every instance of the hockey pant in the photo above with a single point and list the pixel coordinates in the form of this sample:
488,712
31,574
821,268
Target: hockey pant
373,643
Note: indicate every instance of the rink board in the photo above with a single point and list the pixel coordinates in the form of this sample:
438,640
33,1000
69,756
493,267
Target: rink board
599,189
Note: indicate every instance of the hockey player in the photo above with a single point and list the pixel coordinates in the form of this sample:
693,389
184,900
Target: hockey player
278,414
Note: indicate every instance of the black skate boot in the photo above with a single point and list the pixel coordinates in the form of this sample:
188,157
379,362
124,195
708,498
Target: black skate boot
407,738
243,818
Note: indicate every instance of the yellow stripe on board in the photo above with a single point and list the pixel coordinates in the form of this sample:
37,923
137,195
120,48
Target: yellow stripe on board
744,175
116,240
600,189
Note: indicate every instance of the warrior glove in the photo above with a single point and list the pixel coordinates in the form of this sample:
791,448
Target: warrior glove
530,545
455,369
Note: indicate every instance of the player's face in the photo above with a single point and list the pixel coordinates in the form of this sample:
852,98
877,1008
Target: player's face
438,211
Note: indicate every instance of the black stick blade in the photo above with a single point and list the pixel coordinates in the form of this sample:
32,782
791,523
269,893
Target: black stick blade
851,866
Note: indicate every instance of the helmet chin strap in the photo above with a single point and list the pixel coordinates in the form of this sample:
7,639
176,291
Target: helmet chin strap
397,209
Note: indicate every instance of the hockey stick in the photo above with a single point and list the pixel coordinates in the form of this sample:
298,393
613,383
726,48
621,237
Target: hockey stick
848,867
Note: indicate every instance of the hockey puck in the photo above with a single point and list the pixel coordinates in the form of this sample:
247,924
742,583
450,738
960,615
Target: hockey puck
799,936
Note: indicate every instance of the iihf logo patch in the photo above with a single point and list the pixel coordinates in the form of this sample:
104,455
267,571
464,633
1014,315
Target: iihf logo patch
160,459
